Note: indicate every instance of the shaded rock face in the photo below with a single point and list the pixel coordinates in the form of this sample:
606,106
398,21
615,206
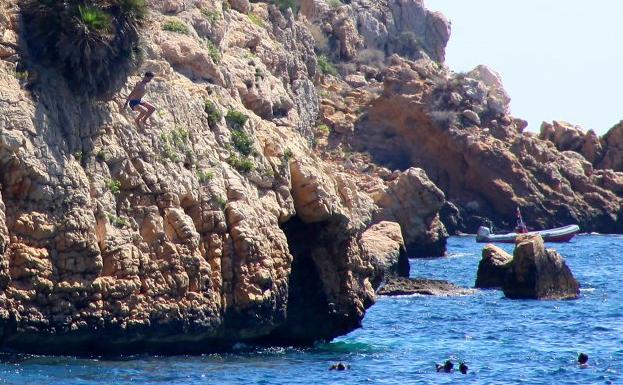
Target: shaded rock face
612,153
403,286
405,27
118,239
567,137
605,153
538,273
493,267
486,169
384,245
414,202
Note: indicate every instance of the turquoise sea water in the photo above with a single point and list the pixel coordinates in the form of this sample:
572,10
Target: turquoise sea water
502,341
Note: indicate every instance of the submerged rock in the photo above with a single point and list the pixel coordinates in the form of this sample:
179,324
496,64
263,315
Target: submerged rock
538,273
404,286
492,267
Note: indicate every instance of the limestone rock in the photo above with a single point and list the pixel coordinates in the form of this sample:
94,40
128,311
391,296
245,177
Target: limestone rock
538,273
395,26
241,6
414,202
384,246
493,267
498,100
471,116
113,236
402,286
356,81
486,171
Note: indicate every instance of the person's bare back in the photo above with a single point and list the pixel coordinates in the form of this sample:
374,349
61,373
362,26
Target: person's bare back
135,97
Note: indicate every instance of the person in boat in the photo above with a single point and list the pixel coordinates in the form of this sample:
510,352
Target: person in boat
521,226
136,103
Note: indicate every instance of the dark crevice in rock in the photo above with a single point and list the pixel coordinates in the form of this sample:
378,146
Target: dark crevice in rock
312,316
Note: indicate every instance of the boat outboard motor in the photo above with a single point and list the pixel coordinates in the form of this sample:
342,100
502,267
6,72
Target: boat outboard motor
483,232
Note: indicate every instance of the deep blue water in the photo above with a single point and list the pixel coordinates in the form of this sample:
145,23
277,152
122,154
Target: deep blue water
502,341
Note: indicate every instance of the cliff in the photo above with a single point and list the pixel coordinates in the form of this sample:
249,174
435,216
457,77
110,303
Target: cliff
458,129
218,223
299,152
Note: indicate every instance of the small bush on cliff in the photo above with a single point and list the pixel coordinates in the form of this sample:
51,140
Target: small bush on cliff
213,51
92,44
100,156
204,176
175,25
243,142
335,3
255,19
241,163
445,119
116,221
284,5
214,114
221,202
174,143
326,67
236,119
213,16
324,129
320,38
287,154
114,186
406,44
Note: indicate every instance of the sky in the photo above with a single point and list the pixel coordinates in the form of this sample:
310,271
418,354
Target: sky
559,59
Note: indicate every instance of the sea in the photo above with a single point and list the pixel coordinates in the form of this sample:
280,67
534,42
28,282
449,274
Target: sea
502,341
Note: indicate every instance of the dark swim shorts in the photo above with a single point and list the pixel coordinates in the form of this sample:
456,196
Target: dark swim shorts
134,103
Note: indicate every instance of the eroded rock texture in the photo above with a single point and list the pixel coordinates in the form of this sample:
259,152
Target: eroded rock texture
457,129
493,267
200,230
538,273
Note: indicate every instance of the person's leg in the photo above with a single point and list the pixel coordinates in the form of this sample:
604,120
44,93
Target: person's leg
142,111
150,110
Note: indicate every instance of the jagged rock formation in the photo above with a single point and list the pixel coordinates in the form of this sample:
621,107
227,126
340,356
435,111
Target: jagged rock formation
203,229
457,128
605,153
538,273
405,27
493,267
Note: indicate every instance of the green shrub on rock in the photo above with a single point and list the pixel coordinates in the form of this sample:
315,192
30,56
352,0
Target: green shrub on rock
175,25
326,67
94,18
214,114
243,142
236,119
93,45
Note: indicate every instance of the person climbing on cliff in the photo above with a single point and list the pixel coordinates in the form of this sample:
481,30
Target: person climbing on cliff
135,97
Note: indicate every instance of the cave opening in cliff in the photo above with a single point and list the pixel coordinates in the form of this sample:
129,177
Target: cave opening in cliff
307,302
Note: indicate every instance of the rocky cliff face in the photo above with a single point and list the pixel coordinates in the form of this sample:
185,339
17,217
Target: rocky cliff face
284,176
218,223
458,129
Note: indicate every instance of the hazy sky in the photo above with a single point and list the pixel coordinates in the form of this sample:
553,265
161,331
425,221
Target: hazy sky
559,59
